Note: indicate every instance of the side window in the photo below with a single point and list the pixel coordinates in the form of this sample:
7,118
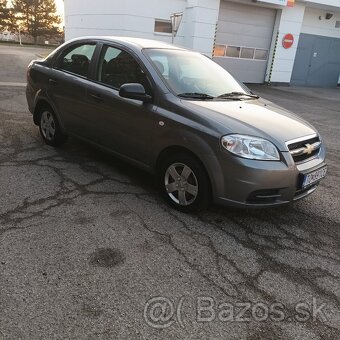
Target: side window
162,64
77,60
117,67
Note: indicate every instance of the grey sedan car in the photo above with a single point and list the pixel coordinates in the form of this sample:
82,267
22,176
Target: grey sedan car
176,114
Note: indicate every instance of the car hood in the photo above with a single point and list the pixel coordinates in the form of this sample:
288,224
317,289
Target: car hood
259,118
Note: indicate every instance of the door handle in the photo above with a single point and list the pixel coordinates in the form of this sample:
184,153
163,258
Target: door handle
52,81
97,97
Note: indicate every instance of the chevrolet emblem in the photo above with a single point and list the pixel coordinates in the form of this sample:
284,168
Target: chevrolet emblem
309,149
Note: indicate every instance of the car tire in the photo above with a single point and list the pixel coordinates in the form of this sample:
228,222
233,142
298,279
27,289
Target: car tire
50,128
184,183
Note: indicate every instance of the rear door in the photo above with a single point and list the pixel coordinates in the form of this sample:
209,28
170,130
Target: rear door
68,84
122,125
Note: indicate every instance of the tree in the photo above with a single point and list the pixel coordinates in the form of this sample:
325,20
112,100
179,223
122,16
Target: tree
37,17
3,14
7,17
11,20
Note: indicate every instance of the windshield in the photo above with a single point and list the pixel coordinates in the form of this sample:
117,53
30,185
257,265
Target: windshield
192,74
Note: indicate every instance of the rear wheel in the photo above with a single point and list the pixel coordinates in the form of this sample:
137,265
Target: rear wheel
50,129
184,183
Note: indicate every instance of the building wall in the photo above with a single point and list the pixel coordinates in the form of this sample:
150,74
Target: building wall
121,18
137,18
200,18
288,20
313,25
334,3
297,20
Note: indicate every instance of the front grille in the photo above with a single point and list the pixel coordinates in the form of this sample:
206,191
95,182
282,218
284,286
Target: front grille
305,149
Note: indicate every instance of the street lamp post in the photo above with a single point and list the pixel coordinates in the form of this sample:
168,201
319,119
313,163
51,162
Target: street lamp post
176,19
20,36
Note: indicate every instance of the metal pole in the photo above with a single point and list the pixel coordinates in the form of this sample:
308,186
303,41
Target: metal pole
176,19
20,36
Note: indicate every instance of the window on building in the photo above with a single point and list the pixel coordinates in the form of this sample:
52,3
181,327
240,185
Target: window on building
117,67
240,52
337,24
219,51
261,54
163,26
77,60
233,51
247,53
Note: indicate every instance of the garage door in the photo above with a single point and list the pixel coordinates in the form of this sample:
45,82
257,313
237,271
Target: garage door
244,35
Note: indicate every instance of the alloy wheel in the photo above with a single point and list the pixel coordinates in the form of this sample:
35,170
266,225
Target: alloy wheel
181,184
48,126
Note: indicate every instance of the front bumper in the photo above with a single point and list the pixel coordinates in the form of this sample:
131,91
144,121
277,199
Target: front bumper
252,183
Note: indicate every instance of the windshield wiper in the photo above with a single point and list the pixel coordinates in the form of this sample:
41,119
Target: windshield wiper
196,95
236,95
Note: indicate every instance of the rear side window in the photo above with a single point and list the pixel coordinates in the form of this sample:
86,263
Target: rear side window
77,59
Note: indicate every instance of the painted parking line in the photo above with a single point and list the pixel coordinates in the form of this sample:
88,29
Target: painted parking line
12,84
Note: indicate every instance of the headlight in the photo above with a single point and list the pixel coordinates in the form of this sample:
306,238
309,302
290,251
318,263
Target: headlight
250,147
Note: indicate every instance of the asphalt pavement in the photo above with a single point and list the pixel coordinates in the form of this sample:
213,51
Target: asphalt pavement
88,250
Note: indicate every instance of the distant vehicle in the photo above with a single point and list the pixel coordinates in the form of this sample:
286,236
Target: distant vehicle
178,115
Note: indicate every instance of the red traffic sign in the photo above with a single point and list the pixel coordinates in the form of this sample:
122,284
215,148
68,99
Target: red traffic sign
288,40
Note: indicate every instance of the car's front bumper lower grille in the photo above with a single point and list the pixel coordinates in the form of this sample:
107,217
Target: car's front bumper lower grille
265,196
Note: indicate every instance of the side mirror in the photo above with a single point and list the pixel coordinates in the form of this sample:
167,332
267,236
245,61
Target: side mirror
134,91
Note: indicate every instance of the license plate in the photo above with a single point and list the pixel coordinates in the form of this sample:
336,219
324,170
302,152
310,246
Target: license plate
314,176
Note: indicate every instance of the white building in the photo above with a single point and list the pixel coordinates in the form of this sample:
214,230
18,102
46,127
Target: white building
244,36
7,36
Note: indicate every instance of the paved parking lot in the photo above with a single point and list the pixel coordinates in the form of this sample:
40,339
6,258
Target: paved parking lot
89,251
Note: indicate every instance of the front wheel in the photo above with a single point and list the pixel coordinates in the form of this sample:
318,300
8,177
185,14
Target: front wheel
184,183
50,129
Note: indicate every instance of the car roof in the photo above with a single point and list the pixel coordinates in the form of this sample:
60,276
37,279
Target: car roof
132,42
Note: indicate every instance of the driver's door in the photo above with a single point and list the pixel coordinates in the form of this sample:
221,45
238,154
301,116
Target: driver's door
122,125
